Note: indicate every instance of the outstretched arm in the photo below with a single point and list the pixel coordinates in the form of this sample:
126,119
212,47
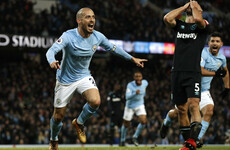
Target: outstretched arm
120,52
139,62
170,18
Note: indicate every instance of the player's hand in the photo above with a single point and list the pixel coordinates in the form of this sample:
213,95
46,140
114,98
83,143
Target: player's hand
138,91
186,5
225,93
194,4
55,65
220,72
139,62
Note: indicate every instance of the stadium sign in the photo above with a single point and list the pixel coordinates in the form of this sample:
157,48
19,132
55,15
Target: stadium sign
26,41
38,42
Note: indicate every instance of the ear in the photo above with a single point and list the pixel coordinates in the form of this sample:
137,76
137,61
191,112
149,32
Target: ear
78,21
222,43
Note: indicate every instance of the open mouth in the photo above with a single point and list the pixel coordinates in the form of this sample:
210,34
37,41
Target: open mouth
90,26
215,48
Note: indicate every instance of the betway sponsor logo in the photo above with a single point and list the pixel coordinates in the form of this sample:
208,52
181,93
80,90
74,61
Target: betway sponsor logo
186,36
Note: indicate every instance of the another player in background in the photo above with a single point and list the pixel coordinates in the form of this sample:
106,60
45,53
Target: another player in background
135,93
212,64
186,71
114,108
78,46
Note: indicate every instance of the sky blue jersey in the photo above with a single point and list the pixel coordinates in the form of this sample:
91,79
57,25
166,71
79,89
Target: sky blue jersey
210,63
134,100
78,52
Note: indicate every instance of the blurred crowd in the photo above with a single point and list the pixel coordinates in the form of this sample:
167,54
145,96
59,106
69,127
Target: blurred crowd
27,90
122,16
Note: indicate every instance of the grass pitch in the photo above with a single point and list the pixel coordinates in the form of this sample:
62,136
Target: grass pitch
122,148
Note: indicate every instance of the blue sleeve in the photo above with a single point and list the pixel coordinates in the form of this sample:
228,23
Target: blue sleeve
203,58
146,83
56,47
113,48
129,92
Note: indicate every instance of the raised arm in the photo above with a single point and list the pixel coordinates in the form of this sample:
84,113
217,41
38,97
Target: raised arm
170,18
197,14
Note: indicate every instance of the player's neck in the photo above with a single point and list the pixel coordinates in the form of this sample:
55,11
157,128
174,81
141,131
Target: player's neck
82,33
138,84
214,54
190,19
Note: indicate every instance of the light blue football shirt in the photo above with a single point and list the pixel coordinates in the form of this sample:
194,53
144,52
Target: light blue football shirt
134,100
78,52
210,63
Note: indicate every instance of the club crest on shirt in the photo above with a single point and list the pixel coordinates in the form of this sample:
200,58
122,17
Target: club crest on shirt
218,64
59,41
94,48
193,27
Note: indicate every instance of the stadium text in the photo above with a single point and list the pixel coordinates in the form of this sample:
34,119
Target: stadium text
26,41
37,42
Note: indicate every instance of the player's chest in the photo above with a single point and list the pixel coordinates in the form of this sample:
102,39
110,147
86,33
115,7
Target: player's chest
213,63
141,88
186,32
83,47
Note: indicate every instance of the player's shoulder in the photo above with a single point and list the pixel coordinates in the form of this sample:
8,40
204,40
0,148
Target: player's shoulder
70,32
132,83
205,51
178,24
221,56
98,34
145,82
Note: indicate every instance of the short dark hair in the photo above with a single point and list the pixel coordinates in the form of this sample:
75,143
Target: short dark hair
216,34
137,71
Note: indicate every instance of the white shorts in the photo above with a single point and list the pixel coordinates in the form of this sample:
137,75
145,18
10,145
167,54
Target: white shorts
129,112
206,99
63,93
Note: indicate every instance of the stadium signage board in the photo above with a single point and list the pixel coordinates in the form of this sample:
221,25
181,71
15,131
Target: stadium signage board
26,41
39,42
